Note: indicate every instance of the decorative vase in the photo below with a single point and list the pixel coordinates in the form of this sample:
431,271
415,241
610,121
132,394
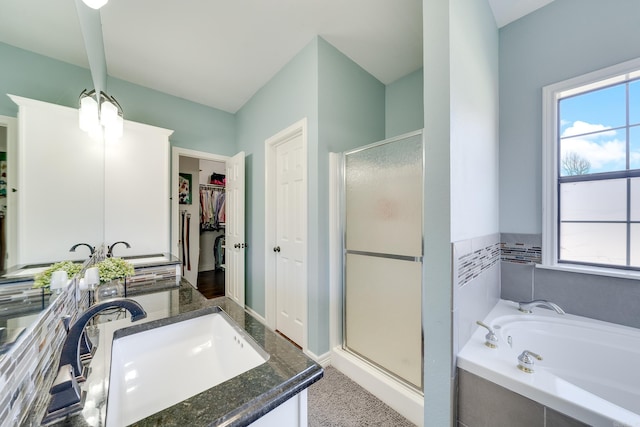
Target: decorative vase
108,290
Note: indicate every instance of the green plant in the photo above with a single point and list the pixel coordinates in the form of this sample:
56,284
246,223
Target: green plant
43,280
114,268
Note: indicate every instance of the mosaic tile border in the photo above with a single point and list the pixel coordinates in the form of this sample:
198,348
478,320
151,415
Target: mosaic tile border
473,264
521,253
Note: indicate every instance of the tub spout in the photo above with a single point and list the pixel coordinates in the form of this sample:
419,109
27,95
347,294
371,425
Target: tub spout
526,307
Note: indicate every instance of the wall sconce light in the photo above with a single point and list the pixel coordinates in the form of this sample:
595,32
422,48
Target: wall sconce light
95,4
100,115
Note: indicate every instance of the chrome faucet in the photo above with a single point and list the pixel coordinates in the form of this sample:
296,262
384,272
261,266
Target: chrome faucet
526,307
491,340
91,248
110,251
65,391
526,361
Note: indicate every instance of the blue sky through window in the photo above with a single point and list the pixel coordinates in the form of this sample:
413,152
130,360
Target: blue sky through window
588,131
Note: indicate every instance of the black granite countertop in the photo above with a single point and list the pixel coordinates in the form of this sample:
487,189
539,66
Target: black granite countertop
236,402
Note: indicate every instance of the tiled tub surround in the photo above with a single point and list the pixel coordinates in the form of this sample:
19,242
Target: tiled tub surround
482,403
476,287
236,402
605,298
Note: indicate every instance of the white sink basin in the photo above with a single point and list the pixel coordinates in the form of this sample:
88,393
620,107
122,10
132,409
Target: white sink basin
157,368
26,272
147,260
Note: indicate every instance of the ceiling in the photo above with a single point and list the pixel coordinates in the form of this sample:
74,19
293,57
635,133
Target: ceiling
219,53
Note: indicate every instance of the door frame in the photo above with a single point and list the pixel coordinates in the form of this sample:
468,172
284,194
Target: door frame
270,145
176,152
11,220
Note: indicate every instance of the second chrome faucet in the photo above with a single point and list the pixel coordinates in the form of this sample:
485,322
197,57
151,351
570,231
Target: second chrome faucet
526,306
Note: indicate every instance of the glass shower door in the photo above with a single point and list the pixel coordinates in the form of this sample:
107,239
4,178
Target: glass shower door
383,193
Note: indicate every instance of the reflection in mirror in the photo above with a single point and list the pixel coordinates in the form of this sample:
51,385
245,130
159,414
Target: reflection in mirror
57,172
60,185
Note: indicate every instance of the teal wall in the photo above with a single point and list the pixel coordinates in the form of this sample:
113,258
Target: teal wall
196,126
327,88
404,105
319,83
30,75
460,116
288,97
564,39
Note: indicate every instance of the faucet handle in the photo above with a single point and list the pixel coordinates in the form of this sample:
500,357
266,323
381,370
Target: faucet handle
526,361
491,340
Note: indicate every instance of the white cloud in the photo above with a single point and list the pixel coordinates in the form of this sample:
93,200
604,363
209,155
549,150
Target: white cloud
580,128
609,154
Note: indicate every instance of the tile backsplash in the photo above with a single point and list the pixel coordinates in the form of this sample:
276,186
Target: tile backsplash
29,367
599,297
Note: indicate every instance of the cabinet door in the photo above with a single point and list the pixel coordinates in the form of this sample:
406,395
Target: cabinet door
137,190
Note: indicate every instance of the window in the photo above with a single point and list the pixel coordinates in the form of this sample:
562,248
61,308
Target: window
591,172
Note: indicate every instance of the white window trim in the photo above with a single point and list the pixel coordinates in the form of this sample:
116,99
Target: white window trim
550,96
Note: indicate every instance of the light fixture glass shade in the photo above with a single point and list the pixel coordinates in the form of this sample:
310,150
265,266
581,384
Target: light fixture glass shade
95,4
115,130
88,114
108,114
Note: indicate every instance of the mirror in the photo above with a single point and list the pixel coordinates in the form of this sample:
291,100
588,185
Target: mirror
58,174
58,179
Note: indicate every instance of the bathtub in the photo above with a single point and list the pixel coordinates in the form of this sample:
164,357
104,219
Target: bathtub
590,370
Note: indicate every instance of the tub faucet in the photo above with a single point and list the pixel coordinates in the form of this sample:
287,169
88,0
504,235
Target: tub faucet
526,361
526,307
65,391
110,251
91,248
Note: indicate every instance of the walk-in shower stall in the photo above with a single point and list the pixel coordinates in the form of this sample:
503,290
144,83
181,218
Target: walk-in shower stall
382,228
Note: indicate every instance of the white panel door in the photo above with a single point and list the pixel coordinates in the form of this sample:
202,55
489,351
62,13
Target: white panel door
290,238
234,241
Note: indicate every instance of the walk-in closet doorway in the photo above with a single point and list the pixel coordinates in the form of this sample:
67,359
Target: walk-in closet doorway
202,206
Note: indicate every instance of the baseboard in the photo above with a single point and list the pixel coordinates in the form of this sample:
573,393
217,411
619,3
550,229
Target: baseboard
406,401
256,315
323,360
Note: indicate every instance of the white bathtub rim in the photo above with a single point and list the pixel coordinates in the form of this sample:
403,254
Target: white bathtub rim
480,360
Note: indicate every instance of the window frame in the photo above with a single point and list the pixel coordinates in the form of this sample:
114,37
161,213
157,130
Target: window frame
551,94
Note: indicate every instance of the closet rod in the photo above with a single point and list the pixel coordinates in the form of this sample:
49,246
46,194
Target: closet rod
212,186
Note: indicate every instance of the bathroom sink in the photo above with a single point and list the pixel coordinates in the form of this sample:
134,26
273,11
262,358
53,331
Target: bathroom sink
26,272
161,363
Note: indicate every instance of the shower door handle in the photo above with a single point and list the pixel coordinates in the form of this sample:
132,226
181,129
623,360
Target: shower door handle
276,249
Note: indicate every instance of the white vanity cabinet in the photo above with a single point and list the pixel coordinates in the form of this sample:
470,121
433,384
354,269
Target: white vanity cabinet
72,188
136,190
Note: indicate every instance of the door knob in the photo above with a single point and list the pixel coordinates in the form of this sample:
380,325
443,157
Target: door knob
276,249
237,246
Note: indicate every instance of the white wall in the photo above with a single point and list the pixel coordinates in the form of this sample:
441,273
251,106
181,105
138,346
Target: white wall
474,120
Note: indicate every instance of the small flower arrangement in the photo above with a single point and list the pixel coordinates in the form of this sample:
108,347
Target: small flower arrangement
114,268
43,280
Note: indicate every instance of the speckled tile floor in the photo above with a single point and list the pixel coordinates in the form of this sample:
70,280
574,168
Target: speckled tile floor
337,401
